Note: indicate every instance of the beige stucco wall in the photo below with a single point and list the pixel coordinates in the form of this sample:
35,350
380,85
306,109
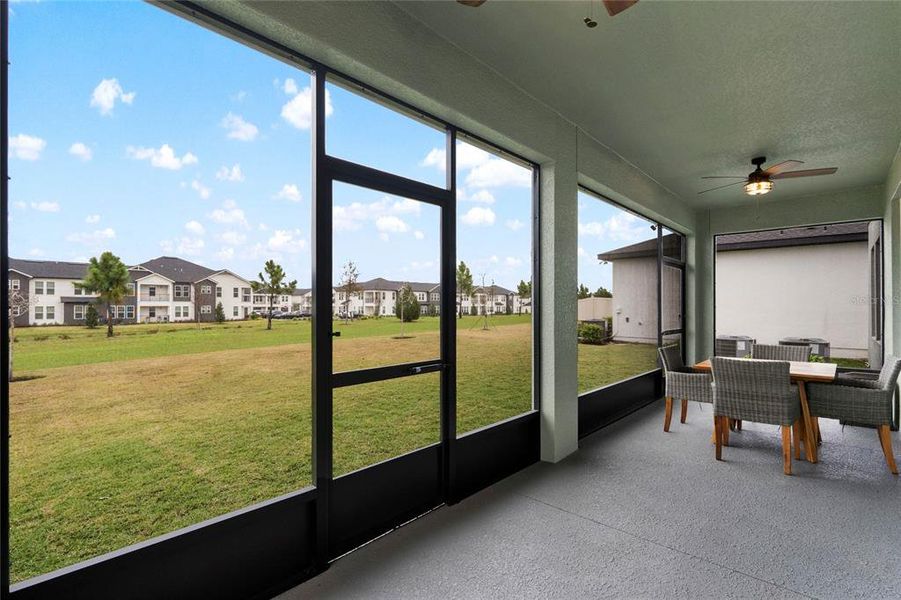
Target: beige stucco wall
595,309
635,300
800,291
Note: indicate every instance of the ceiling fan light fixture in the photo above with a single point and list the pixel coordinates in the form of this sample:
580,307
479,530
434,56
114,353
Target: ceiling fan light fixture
758,188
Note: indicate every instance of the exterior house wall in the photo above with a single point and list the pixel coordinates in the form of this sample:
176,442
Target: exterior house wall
201,299
635,300
23,319
228,283
798,291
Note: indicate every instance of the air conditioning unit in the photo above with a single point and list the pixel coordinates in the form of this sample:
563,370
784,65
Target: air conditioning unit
733,346
817,345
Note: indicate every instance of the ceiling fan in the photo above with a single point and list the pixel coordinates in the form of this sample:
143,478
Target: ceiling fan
760,181
614,7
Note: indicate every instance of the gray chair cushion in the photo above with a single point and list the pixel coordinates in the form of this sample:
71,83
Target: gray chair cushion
754,390
861,401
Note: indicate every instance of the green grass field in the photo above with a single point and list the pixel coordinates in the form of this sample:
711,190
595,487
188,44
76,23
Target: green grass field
118,440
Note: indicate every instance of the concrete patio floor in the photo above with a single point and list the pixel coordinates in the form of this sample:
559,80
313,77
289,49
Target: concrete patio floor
638,513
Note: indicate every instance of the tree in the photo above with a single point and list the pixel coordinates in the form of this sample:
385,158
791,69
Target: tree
602,292
583,291
524,289
407,306
348,286
108,278
91,318
18,303
464,284
272,285
220,313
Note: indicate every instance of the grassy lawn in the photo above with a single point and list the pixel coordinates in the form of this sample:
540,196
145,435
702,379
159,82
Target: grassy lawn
201,420
603,365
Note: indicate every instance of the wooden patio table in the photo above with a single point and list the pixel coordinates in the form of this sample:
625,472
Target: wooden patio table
800,373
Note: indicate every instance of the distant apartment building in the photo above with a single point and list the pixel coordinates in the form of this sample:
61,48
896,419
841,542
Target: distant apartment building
171,289
165,289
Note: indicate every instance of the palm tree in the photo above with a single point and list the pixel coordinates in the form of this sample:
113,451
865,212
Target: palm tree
108,278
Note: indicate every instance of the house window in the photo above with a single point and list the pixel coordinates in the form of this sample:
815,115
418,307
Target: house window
206,309
78,291
38,312
38,287
78,312
245,294
51,312
218,292
129,311
235,292
51,288
151,291
14,284
206,289
151,312
235,311
182,290
131,289
17,311
177,312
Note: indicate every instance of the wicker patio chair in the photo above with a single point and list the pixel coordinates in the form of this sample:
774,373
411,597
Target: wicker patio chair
770,352
682,383
756,390
860,402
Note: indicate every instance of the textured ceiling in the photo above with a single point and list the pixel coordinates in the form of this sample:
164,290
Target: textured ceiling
685,89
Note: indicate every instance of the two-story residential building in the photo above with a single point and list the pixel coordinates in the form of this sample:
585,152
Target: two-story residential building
163,289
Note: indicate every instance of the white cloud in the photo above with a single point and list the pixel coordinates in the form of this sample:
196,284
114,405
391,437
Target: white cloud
478,215
482,196
21,205
81,151
238,128
283,240
418,235
582,251
35,252
263,227
233,238
391,224
512,261
92,238
497,172
230,174
623,227
162,158
203,191
515,224
49,207
351,217
468,156
195,227
91,219
229,214
26,147
437,158
186,246
239,96
107,93
289,192
290,87
384,237
225,253
299,110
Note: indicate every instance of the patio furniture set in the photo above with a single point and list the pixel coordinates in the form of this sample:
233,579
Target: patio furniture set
778,386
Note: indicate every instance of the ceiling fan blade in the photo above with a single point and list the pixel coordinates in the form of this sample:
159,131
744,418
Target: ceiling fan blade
725,177
722,186
783,166
805,173
614,7
472,3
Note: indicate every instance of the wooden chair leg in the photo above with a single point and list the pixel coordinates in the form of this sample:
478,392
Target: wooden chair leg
886,441
738,424
718,436
669,413
816,430
796,438
684,410
787,449
725,430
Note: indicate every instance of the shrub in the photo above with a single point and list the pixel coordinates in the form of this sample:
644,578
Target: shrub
220,313
590,333
91,318
817,358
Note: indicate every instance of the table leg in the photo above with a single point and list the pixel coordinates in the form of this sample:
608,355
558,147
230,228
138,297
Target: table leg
810,444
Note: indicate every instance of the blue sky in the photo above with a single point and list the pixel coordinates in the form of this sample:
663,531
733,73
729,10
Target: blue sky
135,131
